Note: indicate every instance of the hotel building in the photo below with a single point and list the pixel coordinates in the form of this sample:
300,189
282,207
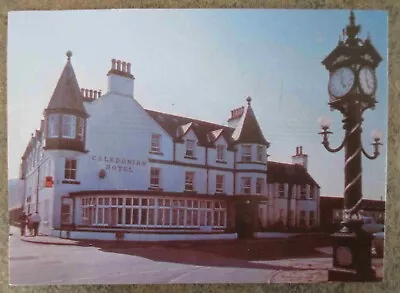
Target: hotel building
103,167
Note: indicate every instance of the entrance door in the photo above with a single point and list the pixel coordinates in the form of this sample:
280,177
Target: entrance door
245,215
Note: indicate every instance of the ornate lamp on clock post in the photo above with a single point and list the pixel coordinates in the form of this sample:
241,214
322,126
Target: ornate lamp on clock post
352,87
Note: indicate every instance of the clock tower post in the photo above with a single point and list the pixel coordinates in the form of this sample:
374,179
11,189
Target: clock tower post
352,87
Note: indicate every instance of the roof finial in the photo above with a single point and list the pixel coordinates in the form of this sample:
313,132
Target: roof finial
352,30
248,99
69,54
352,17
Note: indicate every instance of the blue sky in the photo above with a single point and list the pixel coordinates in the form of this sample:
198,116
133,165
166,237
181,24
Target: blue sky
202,64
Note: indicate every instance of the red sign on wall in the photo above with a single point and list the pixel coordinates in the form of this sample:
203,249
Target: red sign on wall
49,181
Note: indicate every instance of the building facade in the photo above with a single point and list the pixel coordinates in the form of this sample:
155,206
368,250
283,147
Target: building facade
102,166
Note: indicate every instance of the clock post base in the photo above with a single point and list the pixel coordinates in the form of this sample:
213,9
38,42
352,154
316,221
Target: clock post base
346,275
352,257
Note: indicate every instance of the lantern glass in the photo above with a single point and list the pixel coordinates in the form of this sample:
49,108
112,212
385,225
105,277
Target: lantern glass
376,135
325,122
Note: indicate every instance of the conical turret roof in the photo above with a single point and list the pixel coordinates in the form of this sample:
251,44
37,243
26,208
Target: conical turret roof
248,130
67,94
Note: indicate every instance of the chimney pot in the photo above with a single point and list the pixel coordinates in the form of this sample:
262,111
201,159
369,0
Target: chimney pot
91,93
119,65
95,94
124,66
128,68
86,93
99,93
83,92
113,64
301,150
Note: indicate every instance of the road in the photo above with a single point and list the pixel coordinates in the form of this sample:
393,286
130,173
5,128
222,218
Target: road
39,264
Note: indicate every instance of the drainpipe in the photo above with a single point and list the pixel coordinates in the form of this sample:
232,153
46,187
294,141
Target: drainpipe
174,151
234,171
62,200
207,170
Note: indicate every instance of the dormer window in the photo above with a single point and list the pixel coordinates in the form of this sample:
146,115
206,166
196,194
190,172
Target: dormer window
53,125
246,153
220,153
260,153
68,126
190,148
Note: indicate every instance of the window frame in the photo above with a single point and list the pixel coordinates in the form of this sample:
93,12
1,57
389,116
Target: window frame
53,126
72,171
246,153
219,184
244,186
281,190
155,169
188,149
260,153
220,153
189,175
81,128
71,126
155,144
258,180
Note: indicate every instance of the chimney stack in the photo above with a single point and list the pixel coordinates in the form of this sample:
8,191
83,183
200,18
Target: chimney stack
300,158
120,78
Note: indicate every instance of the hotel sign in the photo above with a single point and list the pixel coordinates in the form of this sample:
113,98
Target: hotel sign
119,164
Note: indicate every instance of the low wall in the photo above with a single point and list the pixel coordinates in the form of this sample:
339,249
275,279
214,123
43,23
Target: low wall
110,236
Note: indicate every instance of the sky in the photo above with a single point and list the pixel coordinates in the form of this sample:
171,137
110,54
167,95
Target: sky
202,64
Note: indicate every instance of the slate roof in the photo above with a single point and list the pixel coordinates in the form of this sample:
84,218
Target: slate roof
67,94
173,123
248,130
288,173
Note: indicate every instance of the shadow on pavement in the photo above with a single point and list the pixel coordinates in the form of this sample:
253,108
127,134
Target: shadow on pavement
234,253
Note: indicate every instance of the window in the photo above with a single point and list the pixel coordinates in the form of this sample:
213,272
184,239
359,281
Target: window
311,192
281,190
219,183
68,126
53,125
260,153
260,185
81,128
312,218
155,177
189,181
246,153
70,169
246,185
190,148
220,153
155,143
302,191
302,218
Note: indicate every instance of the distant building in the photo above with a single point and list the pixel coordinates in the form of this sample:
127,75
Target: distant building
332,209
102,166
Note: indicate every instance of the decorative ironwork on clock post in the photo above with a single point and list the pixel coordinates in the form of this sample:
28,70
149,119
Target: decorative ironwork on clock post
352,91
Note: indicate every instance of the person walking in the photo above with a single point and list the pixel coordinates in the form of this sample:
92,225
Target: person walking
30,224
36,222
23,219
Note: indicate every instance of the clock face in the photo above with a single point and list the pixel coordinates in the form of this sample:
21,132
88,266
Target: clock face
367,80
341,82
344,256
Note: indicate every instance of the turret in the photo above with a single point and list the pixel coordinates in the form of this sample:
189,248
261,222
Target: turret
65,115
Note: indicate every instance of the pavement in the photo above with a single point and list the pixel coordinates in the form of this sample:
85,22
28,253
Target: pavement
286,260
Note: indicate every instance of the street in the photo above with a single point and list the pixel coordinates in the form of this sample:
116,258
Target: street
155,263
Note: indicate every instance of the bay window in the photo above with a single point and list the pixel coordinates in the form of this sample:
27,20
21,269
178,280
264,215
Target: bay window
68,126
53,125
